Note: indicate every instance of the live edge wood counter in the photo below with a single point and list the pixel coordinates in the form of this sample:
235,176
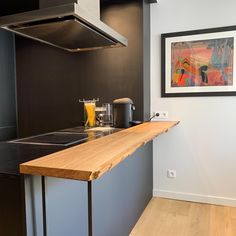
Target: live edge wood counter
90,160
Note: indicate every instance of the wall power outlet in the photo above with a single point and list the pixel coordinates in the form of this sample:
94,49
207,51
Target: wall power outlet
163,115
171,174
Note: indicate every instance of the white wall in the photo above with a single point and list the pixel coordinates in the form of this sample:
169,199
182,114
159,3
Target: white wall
203,147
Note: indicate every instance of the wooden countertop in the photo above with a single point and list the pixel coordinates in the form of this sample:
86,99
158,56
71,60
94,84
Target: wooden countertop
90,160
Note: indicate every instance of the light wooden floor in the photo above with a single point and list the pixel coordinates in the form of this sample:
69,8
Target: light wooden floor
164,217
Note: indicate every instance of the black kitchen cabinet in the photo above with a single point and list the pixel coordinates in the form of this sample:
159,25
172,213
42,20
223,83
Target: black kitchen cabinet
12,213
7,86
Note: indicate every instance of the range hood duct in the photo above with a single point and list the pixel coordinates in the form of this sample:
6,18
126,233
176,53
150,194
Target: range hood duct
73,27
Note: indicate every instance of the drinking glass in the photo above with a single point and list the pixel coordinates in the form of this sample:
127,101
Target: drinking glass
108,115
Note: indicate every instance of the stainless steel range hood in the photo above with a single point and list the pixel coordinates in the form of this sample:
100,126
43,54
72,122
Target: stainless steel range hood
69,27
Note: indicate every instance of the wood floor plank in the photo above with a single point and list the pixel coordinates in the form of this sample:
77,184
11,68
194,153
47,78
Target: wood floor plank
198,220
165,217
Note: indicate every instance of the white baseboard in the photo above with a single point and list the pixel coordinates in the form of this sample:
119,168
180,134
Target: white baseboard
192,197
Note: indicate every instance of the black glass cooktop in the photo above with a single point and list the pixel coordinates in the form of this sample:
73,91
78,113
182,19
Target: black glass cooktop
66,137
55,138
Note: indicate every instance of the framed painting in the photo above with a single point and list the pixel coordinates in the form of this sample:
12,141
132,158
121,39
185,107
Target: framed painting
199,63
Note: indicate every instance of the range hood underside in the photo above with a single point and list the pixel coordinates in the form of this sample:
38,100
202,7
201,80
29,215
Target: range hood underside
68,27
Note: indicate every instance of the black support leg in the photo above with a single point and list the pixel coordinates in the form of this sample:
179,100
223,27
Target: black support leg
44,207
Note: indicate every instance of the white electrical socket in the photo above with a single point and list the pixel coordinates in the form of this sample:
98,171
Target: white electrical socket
163,115
171,174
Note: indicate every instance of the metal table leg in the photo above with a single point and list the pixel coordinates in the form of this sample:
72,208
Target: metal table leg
44,207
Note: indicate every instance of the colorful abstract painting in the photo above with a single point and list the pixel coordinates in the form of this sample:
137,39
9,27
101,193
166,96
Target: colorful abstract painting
202,63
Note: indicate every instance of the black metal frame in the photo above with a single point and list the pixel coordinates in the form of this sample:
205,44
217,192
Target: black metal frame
163,64
44,207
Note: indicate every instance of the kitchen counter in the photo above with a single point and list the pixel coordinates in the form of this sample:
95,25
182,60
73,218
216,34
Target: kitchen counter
89,161
84,181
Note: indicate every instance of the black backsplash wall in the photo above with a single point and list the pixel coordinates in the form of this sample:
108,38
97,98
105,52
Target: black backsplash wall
50,81
48,86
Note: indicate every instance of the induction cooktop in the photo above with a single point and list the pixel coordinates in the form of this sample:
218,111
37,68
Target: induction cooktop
55,138
67,137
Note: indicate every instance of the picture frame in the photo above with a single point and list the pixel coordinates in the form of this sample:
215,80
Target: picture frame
199,63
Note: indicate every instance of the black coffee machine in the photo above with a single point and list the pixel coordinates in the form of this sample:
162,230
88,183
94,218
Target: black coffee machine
123,112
